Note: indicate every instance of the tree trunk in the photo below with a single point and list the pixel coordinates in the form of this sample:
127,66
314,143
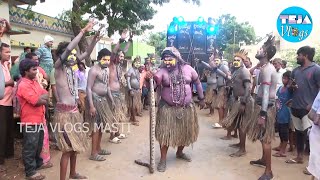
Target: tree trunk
76,28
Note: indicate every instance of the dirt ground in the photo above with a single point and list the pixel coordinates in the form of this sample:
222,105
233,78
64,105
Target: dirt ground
210,155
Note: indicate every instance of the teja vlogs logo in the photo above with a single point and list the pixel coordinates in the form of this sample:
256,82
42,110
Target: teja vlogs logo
294,24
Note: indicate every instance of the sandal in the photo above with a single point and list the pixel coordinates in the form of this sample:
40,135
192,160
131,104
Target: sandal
279,155
115,140
46,166
135,123
258,162
78,176
306,172
36,176
104,152
97,157
216,126
293,161
184,156
122,136
266,177
162,166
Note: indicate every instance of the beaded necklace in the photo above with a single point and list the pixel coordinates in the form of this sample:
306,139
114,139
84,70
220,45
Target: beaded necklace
72,81
178,90
105,75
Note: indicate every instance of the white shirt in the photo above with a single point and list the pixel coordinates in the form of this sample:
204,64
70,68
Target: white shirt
316,104
82,79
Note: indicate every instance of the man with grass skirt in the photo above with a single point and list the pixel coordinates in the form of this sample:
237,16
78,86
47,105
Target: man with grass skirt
242,107
177,121
261,126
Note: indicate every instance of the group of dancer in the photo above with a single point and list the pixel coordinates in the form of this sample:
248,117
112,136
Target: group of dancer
111,95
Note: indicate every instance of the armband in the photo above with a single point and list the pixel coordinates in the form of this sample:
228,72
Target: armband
266,83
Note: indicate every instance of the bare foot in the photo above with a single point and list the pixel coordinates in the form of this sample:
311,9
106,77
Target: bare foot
226,138
235,135
210,115
235,145
77,176
276,149
238,153
290,149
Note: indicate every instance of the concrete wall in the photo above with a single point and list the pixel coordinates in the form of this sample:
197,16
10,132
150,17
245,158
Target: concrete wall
36,37
4,13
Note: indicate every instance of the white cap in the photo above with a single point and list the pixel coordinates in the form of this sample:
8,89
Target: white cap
48,38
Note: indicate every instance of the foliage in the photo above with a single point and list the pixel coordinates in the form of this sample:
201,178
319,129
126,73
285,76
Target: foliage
230,50
232,32
158,40
290,56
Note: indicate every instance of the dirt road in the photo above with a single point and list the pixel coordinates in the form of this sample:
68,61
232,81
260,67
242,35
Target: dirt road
210,155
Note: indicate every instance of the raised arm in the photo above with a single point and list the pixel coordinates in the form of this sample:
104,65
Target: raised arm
125,50
73,44
94,41
121,40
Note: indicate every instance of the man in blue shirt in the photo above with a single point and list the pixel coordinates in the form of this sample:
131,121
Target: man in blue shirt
44,54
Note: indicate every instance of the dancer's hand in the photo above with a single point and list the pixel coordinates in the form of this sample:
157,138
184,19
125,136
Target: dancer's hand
131,92
113,106
124,34
202,104
93,111
242,108
89,26
262,121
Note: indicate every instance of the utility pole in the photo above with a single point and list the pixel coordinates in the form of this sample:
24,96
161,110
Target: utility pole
234,38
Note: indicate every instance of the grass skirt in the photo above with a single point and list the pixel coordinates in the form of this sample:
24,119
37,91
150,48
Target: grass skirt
173,131
121,108
104,115
255,131
69,132
221,100
210,95
235,119
135,101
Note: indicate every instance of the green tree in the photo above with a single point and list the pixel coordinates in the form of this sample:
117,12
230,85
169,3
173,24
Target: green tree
119,14
158,40
230,32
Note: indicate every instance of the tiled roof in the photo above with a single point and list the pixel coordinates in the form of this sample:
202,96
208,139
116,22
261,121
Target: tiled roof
19,16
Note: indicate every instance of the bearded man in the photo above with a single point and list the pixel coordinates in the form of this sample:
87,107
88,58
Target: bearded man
117,80
221,74
134,93
177,120
242,108
261,126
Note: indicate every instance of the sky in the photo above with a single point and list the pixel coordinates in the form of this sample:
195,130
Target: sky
261,14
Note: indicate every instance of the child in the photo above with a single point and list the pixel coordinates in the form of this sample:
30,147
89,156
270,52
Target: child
283,115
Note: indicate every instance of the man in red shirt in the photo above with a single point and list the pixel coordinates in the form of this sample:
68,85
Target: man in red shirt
41,77
32,98
6,109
